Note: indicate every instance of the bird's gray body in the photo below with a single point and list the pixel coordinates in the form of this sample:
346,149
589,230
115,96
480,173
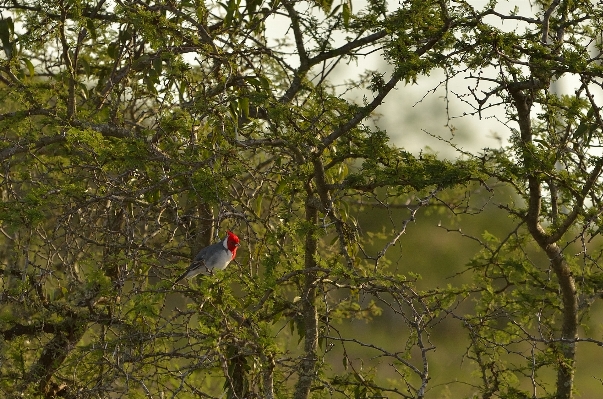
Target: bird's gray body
214,257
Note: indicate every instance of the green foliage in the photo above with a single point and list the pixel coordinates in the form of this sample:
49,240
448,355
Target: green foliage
135,133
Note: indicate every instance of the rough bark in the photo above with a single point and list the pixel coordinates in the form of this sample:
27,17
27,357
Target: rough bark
569,328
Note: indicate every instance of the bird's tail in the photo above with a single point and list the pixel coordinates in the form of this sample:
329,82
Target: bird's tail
182,276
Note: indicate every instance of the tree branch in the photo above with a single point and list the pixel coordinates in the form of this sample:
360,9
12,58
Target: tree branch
330,210
546,21
569,329
69,63
307,370
383,92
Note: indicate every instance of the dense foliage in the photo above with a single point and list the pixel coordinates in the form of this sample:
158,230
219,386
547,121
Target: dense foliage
134,133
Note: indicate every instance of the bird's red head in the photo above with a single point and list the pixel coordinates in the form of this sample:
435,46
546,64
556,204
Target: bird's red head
233,243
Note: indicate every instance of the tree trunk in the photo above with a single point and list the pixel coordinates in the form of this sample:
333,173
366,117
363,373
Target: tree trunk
308,363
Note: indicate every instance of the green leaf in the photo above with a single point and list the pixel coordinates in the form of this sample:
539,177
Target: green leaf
91,29
335,11
150,83
29,66
346,13
265,82
234,110
85,65
158,65
581,130
244,106
141,63
326,6
84,90
112,50
231,9
6,29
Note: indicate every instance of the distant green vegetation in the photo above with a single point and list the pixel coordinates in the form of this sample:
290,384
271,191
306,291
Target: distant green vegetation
134,133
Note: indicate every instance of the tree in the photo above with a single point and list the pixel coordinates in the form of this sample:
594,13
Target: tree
552,165
136,132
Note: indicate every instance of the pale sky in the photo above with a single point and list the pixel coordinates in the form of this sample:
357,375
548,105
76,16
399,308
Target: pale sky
408,113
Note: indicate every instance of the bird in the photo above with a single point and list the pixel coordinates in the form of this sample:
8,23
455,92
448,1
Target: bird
214,257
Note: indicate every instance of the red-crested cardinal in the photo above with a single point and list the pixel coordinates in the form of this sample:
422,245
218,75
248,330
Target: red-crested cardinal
214,257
